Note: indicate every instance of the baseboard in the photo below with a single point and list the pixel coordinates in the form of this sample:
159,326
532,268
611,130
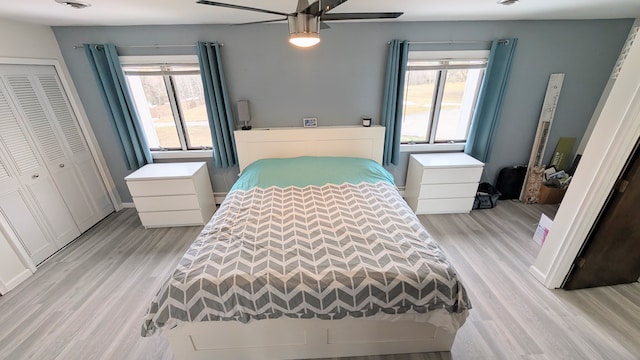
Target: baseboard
22,276
219,197
537,274
128,205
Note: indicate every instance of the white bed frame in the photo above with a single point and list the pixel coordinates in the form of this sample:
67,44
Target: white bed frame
306,338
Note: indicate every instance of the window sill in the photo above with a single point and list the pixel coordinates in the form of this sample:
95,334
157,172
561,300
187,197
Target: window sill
410,148
191,154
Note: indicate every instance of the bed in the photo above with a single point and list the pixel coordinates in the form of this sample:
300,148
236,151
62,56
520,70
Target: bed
310,257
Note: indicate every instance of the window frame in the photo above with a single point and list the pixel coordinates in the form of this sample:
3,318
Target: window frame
185,151
439,87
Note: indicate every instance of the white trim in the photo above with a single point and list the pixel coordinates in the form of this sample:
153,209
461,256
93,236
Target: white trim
23,256
128,205
180,154
618,130
219,197
451,54
411,148
27,61
17,280
158,59
595,198
537,274
17,246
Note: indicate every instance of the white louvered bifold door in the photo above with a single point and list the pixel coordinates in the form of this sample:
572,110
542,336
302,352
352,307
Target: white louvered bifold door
22,178
43,185
74,142
42,102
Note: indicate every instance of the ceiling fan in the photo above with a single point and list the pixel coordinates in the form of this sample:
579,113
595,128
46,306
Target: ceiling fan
305,23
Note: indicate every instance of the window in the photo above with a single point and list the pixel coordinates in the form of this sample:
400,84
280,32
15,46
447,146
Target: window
441,90
170,101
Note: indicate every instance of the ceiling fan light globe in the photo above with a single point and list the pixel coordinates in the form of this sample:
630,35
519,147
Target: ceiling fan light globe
304,39
304,30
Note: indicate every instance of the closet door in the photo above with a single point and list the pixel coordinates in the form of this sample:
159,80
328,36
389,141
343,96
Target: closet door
21,178
74,142
38,181
15,209
58,152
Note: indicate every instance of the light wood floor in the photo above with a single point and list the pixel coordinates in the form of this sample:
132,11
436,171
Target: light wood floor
87,302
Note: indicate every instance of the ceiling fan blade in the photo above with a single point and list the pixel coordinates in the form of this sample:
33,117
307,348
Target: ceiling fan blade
360,16
324,25
315,10
240,7
262,22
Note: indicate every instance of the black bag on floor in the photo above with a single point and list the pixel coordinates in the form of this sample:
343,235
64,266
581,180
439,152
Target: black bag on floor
510,180
486,197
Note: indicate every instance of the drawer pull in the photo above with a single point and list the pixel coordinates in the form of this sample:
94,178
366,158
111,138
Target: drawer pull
35,176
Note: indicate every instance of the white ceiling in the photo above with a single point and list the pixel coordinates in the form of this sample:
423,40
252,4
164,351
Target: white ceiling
150,12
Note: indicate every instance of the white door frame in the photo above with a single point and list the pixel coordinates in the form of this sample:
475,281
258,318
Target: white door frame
6,229
610,145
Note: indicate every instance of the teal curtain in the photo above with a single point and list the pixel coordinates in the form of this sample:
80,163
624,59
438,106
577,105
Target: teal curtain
218,107
392,102
120,106
489,106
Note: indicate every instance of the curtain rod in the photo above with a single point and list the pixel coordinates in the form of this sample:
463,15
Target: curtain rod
455,42
147,46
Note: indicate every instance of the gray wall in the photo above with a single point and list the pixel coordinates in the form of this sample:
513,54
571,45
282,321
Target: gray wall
341,79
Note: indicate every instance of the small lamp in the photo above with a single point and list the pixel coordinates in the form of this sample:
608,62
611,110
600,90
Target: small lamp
244,115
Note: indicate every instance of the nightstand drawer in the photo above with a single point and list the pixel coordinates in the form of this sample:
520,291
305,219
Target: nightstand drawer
451,175
443,191
161,187
166,203
444,206
172,218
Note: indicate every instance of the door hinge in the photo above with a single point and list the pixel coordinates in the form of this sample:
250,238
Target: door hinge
581,262
622,187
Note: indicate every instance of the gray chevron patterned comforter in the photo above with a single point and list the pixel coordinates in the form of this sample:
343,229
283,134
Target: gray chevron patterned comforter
327,252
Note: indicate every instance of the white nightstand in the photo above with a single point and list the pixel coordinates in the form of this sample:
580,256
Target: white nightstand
172,194
442,183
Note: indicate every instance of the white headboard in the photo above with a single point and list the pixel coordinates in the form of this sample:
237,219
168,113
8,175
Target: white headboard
355,141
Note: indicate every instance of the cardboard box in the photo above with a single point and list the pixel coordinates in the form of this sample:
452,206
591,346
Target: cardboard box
549,195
